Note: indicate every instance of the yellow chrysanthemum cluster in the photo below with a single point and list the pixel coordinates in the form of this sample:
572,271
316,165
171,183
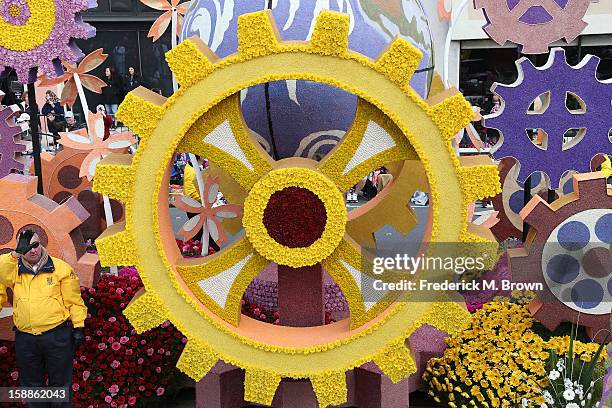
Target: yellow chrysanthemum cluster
34,32
582,351
497,361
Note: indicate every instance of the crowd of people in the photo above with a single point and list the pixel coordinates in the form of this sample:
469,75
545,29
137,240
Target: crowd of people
59,118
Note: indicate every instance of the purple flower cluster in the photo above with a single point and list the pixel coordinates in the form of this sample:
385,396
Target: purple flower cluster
265,294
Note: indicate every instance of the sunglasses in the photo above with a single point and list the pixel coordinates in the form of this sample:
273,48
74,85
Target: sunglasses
34,245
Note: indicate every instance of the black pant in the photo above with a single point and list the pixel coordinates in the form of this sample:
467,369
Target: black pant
52,352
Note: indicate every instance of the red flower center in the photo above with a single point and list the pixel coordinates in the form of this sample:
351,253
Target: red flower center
295,217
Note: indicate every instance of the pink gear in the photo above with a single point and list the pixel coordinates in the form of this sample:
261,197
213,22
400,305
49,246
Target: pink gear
534,24
567,251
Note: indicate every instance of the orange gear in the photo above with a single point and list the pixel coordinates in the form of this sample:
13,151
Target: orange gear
61,180
56,225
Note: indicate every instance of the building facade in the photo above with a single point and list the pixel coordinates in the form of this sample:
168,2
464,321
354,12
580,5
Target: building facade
122,27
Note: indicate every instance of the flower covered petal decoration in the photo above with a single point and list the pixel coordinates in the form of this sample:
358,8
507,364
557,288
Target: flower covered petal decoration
95,144
70,91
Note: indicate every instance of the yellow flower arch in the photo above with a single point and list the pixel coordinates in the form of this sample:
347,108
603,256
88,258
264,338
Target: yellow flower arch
207,102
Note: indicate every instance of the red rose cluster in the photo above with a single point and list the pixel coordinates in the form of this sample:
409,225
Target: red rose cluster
295,217
252,310
192,248
115,367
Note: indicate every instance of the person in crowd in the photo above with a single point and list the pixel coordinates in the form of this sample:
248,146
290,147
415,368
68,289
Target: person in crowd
132,80
48,313
496,104
71,123
54,112
493,134
52,105
108,121
384,179
7,80
55,124
112,92
176,172
24,104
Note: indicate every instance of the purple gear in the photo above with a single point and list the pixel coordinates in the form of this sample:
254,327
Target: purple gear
59,45
558,78
8,147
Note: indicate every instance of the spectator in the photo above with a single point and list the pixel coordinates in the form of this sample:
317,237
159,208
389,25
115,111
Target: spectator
52,105
53,111
108,121
24,104
132,80
55,124
112,92
71,123
49,313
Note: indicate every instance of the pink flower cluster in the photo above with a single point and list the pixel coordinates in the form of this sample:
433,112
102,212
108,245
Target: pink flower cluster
192,248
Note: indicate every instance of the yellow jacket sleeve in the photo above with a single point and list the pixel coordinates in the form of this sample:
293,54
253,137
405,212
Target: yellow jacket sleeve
3,296
71,294
8,267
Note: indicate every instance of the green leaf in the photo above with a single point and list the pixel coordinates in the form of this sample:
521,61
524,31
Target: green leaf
553,360
588,374
569,359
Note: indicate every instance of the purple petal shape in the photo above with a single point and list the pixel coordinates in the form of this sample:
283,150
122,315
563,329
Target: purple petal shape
536,15
8,147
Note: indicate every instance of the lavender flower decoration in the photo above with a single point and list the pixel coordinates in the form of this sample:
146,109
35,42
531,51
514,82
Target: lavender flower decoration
15,12
29,41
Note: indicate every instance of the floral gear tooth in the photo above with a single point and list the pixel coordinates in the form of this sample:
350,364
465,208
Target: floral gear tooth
533,24
40,33
205,294
569,254
9,149
556,79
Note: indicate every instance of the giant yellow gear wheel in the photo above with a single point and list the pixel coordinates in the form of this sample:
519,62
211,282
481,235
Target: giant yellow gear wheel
202,297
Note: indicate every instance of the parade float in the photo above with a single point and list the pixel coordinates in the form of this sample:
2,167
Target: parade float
292,105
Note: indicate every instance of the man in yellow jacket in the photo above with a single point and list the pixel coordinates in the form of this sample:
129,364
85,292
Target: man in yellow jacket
46,296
